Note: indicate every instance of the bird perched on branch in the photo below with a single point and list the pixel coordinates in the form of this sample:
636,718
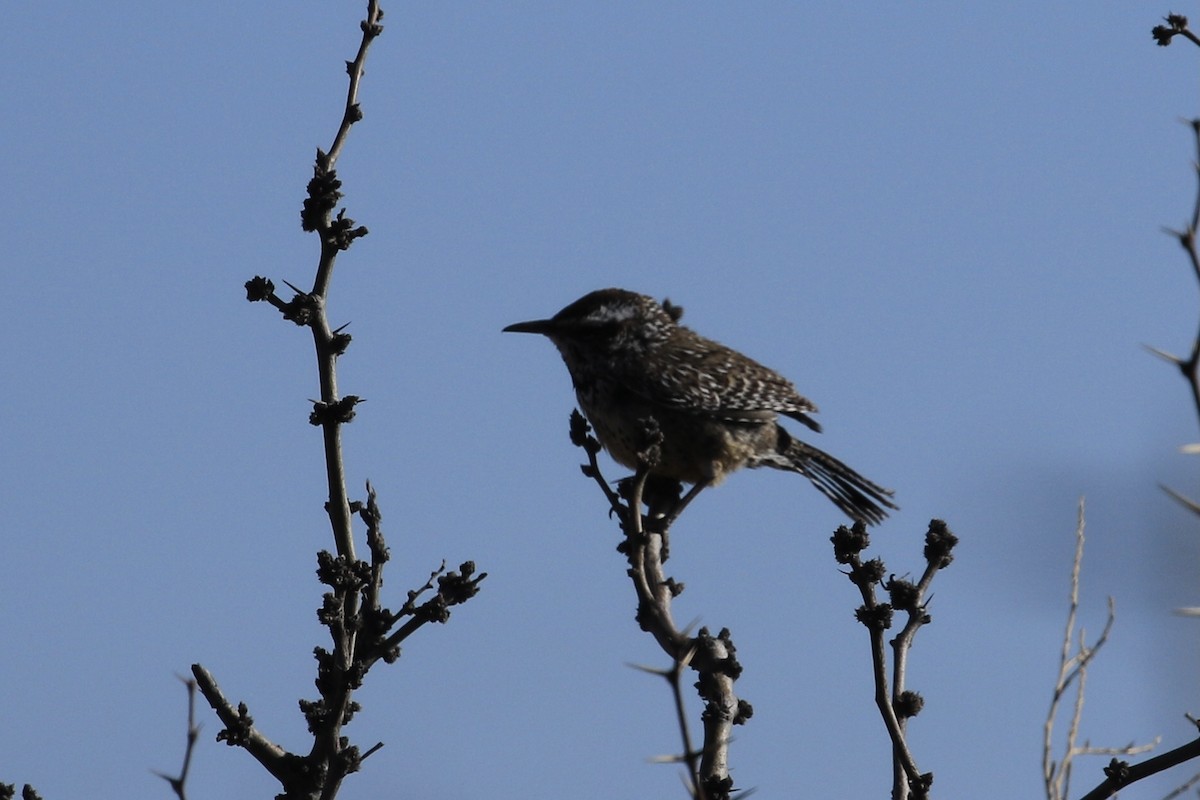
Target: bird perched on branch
718,410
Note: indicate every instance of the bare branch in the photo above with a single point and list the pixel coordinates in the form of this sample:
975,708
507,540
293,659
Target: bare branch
1189,367
179,782
1177,25
1074,659
1119,774
240,731
1189,504
361,630
711,657
896,704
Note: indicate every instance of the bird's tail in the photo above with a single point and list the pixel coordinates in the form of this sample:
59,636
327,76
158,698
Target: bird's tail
858,497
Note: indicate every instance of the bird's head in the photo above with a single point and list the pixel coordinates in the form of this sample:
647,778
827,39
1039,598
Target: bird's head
605,322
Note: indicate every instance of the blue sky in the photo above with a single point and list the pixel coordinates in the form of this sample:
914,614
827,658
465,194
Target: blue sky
941,220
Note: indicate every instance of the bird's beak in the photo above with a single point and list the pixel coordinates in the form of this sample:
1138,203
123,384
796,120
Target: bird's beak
542,326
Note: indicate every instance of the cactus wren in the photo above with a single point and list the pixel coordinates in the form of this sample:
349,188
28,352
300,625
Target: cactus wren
629,359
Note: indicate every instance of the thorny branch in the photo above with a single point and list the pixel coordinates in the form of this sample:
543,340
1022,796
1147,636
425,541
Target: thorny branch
712,657
178,782
1177,25
1119,773
1189,367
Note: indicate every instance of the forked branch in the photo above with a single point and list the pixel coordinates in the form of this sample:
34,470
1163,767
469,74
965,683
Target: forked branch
713,658
362,631
895,702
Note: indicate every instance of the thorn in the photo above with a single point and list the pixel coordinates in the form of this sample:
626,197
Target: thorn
662,673
1190,505
666,759
1164,355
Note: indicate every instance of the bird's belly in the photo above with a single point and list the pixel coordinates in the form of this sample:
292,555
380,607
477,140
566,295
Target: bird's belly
695,447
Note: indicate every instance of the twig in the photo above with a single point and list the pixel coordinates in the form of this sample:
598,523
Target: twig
690,756
1183,788
1073,671
1177,25
179,782
240,731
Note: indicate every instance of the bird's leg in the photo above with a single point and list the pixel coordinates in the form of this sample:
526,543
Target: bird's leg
664,504
661,496
664,521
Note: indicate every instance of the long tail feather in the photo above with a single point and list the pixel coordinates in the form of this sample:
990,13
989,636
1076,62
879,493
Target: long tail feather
855,495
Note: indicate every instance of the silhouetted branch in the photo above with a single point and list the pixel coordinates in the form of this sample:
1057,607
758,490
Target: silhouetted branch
896,704
712,657
1120,774
1189,367
179,782
1177,25
361,629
